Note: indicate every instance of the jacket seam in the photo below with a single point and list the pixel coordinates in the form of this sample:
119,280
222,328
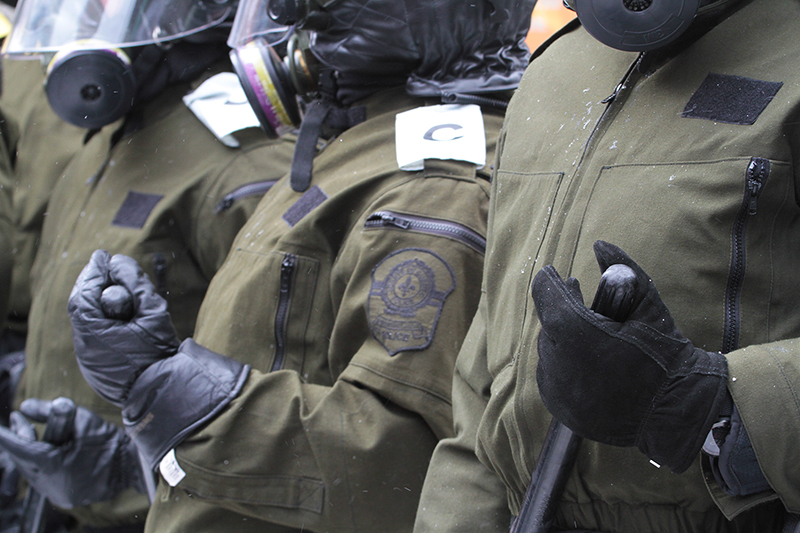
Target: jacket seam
402,382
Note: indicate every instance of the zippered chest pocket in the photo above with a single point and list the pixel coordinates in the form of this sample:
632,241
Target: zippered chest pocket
431,226
710,234
258,309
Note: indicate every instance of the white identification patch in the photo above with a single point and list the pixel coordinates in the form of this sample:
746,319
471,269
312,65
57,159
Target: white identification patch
170,470
221,105
440,132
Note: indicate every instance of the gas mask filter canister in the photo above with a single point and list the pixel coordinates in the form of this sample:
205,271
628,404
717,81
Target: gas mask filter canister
267,86
635,25
90,87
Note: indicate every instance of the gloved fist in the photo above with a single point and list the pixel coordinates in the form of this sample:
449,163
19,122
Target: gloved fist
639,382
112,352
94,462
165,393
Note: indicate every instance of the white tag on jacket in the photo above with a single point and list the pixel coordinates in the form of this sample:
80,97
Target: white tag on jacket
220,104
440,132
170,470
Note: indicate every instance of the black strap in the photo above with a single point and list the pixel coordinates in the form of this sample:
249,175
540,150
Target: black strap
306,145
345,118
323,110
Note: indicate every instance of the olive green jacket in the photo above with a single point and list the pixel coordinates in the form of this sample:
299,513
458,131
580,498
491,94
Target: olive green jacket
6,220
350,301
688,165
41,145
159,195
6,228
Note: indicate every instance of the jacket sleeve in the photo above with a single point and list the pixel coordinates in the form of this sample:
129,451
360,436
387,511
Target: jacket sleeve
352,455
6,231
763,380
226,201
456,475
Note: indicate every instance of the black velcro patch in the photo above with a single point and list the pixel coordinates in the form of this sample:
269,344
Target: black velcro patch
307,203
135,209
731,99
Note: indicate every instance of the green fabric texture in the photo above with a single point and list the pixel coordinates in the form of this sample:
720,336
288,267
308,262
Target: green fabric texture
152,196
338,438
6,227
41,145
668,190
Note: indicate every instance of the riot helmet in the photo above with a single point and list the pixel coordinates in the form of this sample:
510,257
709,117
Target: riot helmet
99,53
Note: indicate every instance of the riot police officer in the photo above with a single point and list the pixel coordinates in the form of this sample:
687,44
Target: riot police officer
318,379
660,136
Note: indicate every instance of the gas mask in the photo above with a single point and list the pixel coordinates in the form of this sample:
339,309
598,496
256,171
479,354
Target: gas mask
99,53
635,25
282,48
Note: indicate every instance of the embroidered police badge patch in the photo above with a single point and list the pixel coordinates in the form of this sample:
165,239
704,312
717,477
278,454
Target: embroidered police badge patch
408,290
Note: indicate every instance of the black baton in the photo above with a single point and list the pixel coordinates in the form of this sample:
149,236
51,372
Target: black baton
614,299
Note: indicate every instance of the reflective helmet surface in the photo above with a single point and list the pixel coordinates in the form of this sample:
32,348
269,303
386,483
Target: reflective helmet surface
45,26
103,56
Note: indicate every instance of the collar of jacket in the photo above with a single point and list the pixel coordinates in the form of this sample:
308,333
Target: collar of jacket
164,103
710,15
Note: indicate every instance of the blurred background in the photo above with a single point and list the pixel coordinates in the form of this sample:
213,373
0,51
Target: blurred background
548,17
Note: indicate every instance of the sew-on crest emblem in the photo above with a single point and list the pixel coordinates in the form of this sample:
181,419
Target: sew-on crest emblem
409,288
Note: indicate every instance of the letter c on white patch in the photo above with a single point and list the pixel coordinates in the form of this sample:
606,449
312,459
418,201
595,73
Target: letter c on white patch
439,133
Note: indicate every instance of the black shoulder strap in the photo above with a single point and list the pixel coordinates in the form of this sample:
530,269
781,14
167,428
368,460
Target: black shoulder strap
569,27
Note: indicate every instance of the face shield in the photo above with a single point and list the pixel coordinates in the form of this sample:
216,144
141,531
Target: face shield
274,64
46,26
253,22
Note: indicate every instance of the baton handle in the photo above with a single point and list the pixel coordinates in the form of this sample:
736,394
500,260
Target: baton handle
614,299
57,431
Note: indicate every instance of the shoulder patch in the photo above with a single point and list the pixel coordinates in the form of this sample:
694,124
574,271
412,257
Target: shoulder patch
408,291
731,99
310,200
440,132
221,105
136,209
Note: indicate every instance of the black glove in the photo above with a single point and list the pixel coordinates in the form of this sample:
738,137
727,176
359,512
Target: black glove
175,396
164,395
11,366
9,480
95,462
633,383
113,352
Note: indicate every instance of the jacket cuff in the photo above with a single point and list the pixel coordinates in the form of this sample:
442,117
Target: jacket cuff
735,466
175,396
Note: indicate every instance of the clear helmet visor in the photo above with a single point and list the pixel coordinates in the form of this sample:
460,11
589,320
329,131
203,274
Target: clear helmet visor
44,26
253,22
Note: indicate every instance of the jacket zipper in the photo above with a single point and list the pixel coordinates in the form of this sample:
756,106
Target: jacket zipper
282,313
755,177
459,232
249,189
160,274
613,103
631,77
